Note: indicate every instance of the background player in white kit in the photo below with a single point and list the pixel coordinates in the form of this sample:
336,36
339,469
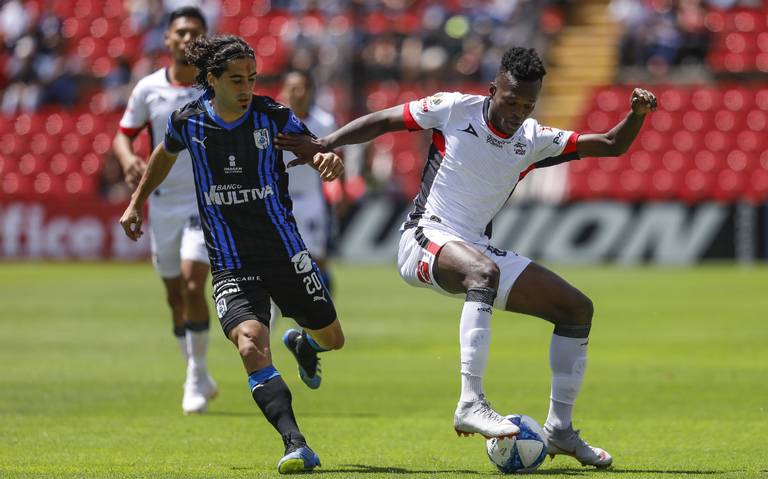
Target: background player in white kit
481,147
309,206
178,245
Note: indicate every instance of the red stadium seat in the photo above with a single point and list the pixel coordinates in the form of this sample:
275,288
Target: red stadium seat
684,141
91,164
674,100
730,185
708,162
79,184
664,185
705,99
696,186
696,121
42,145
643,162
30,164
757,187
718,141
8,164
675,162
61,164
633,185
610,165
13,184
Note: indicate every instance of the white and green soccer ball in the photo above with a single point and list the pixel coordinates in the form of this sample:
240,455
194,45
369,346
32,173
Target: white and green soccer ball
522,453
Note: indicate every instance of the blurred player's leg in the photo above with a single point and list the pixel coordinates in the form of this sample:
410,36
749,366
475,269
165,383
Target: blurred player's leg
199,387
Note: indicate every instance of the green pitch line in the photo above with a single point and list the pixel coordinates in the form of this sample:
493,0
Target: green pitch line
91,379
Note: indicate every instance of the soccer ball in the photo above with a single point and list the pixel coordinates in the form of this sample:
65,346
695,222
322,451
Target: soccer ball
523,453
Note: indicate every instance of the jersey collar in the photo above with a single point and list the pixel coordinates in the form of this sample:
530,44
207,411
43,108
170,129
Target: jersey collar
488,121
220,121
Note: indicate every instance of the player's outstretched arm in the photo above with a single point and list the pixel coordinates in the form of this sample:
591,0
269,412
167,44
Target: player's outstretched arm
618,140
160,163
360,130
133,166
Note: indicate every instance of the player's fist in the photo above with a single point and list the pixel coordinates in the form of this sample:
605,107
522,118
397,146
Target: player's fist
131,222
330,165
642,101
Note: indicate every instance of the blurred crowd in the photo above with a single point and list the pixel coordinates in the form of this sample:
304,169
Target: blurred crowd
660,34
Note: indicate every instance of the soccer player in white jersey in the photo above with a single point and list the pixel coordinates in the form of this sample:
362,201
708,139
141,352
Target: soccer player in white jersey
481,147
309,206
178,245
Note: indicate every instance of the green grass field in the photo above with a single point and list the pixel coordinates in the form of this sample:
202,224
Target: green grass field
91,379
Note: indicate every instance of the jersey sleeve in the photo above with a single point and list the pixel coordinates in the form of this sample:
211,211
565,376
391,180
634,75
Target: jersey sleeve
136,115
552,146
294,125
174,142
429,112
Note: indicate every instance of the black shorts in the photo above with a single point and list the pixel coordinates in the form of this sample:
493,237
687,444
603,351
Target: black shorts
294,285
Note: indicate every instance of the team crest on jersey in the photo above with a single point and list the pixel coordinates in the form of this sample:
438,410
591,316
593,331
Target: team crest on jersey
519,148
221,307
302,262
261,138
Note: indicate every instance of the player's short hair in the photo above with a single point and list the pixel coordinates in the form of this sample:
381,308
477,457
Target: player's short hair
211,54
191,12
302,73
523,63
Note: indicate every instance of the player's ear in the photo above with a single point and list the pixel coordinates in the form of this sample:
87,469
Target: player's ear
211,78
492,88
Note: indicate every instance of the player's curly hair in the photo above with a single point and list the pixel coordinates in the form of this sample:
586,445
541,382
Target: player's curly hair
211,54
523,64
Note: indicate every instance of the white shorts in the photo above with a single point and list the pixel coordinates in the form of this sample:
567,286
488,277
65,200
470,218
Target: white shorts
416,261
311,215
175,238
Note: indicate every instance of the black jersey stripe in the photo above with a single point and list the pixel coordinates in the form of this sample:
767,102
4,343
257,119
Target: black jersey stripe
231,258
291,228
263,179
434,160
200,180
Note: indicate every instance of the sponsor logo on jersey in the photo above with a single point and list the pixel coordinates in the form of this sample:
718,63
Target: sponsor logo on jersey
198,140
469,130
496,251
519,148
556,140
435,99
485,309
425,105
226,195
493,141
302,262
233,168
225,289
261,138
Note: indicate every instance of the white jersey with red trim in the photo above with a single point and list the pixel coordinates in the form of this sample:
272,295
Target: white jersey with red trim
152,101
473,168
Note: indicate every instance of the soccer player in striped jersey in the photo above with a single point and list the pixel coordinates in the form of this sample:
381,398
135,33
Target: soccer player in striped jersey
178,246
481,147
254,246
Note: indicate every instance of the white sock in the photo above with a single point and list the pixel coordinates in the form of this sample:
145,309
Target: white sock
197,347
568,361
182,342
475,340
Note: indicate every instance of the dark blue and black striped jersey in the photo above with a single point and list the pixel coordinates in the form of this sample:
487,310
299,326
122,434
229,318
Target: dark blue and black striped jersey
240,180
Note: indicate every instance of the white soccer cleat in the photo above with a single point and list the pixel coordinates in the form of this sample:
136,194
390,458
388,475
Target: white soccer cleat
209,388
194,400
478,417
568,442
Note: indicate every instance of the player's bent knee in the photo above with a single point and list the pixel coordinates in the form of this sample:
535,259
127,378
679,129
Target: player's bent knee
194,289
582,310
483,274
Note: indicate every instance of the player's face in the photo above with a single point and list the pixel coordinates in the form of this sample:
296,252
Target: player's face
297,92
234,88
512,101
180,33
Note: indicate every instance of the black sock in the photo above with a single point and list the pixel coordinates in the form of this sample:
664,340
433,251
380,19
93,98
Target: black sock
274,400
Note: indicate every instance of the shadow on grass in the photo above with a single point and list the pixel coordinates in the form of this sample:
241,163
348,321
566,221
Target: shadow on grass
365,469
585,471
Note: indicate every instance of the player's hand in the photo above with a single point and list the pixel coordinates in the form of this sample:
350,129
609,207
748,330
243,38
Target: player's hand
330,165
133,171
131,222
642,101
303,146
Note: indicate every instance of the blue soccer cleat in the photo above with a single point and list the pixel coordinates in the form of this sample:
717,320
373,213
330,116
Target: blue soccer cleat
298,458
306,357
